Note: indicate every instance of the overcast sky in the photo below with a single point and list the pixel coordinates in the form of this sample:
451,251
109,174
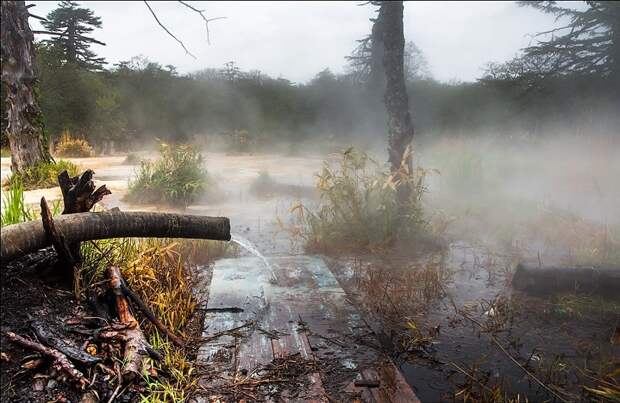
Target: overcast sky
295,40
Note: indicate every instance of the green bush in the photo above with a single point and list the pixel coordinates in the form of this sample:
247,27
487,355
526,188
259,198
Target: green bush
176,177
359,208
43,175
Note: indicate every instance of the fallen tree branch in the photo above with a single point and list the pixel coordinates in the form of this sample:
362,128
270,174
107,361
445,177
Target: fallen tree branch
61,362
24,238
136,346
67,261
150,315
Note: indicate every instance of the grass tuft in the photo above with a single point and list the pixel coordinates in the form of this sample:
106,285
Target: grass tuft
43,175
15,210
359,209
176,177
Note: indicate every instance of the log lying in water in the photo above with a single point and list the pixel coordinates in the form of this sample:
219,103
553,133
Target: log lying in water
539,280
24,238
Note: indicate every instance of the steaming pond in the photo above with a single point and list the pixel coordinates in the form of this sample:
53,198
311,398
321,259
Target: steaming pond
433,332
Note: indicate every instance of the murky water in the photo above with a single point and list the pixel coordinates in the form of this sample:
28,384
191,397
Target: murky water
478,275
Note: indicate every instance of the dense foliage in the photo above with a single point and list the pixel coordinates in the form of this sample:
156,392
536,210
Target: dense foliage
138,100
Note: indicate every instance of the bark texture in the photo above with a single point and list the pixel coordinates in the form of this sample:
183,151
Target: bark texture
20,239
25,122
389,29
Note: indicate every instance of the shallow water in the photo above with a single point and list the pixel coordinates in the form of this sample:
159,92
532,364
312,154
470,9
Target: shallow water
478,274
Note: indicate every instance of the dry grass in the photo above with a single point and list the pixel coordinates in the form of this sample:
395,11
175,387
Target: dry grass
158,271
359,210
73,147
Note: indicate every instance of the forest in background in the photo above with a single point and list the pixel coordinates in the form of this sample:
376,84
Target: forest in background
136,101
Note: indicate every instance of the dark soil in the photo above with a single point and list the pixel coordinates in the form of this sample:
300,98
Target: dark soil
29,294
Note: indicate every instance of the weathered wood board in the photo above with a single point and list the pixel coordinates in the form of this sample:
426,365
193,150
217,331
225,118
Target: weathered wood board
304,312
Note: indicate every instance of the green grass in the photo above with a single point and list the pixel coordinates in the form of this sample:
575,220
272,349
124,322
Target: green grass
176,177
359,209
5,152
14,210
43,175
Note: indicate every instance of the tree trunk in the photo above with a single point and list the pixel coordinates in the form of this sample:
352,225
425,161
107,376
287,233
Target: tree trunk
24,238
24,119
389,29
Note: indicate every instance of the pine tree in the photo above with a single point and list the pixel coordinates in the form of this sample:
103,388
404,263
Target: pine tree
72,25
588,44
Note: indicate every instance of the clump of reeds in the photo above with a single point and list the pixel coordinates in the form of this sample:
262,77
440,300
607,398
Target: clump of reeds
15,210
177,176
359,207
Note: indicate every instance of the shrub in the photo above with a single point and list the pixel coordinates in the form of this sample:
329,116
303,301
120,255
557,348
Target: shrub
359,208
176,177
71,147
43,175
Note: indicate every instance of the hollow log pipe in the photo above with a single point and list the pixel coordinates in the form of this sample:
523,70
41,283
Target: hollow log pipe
28,237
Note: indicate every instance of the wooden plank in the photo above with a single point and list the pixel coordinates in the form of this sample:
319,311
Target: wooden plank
331,332
235,299
392,386
254,352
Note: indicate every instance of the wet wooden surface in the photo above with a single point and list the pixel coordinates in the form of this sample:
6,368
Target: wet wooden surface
304,313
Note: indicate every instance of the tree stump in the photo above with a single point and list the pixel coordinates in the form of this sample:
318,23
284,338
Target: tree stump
79,196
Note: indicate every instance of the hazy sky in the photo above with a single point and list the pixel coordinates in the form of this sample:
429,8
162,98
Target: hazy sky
296,40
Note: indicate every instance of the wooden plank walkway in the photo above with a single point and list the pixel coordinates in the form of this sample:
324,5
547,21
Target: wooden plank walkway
255,325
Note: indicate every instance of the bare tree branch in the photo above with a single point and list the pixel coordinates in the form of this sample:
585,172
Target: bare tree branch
168,31
206,20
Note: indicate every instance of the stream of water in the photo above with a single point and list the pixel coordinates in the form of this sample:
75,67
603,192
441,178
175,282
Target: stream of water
249,246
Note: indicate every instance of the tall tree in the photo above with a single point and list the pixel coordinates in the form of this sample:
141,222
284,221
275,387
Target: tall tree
72,25
24,119
588,43
388,30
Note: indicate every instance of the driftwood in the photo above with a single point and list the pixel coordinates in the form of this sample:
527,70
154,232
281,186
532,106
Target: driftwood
542,280
136,346
61,362
23,238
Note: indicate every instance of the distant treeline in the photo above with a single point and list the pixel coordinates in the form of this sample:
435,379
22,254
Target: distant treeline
139,100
